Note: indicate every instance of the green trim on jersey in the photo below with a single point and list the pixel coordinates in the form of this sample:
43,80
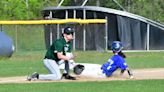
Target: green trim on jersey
58,45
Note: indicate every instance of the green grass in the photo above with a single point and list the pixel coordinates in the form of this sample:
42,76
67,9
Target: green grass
107,86
22,63
145,59
26,62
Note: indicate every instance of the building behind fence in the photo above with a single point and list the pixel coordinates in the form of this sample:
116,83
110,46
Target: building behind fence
136,32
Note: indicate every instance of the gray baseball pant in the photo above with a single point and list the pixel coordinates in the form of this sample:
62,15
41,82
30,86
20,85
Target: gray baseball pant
53,69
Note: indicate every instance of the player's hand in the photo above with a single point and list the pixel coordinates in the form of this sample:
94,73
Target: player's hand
71,57
131,77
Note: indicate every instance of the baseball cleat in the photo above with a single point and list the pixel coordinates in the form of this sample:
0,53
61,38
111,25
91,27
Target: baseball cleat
67,76
34,76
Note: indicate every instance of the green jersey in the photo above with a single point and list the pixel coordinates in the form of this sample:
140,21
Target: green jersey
60,45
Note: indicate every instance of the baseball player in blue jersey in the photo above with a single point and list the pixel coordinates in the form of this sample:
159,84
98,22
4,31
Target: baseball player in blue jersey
116,61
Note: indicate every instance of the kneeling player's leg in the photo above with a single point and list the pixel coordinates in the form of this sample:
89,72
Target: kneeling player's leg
54,70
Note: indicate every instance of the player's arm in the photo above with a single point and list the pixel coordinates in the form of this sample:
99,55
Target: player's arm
63,57
128,71
58,50
124,67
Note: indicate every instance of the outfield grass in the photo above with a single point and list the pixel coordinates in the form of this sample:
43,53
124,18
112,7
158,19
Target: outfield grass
26,62
107,86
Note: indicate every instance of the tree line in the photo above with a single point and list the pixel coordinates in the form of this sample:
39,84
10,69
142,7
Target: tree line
31,9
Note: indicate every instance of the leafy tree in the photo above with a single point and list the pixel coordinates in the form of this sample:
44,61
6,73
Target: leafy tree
23,9
153,9
31,9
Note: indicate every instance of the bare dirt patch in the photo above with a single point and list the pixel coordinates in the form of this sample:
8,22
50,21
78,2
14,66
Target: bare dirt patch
139,74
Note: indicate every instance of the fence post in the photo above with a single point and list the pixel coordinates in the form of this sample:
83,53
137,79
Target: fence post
148,37
1,28
74,36
106,34
58,28
84,31
51,29
16,38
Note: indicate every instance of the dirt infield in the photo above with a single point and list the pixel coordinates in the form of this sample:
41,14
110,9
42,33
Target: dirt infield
139,74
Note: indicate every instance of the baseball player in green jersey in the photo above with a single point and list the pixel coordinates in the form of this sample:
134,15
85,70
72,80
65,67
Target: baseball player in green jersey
55,56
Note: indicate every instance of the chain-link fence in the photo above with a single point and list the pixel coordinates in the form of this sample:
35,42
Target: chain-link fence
39,37
26,37
86,36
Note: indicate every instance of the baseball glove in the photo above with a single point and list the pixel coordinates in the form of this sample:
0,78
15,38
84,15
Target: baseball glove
78,69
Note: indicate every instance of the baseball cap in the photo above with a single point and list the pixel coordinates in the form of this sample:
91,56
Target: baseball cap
68,30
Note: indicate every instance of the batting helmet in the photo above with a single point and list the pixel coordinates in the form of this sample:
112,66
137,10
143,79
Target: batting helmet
68,30
116,46
78,69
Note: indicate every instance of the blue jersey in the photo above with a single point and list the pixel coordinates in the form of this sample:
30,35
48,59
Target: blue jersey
113,64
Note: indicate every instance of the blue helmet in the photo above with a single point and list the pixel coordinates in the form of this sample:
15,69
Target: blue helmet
116,46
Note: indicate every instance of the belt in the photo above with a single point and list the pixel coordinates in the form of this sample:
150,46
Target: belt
46,57
49,58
